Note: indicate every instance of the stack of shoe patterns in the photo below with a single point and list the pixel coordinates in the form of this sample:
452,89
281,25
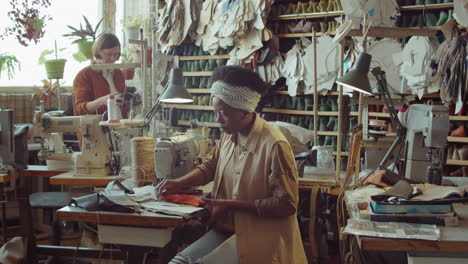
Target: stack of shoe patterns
451,65
238,23
293,69
327,63
382,12
300,62
386,53
175,21
415,69
460,12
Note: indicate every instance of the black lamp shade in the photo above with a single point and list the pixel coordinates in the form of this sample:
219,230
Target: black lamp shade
357,78
175,91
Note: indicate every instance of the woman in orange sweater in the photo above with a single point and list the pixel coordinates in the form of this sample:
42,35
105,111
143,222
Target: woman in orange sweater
92,88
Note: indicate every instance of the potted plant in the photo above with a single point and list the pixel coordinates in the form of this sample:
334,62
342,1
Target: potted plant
54,67
28,20
128,73
48,92
8,63
85,37
136,55
132,26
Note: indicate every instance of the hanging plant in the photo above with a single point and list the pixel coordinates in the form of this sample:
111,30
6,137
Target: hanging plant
28,20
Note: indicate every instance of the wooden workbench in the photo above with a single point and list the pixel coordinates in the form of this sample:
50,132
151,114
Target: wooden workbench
67,178
132,231
452,239
70,213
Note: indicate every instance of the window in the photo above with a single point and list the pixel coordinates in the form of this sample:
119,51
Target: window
63,13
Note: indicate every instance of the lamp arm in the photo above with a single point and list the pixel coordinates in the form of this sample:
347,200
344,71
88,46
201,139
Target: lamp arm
383,90
400,129
154,109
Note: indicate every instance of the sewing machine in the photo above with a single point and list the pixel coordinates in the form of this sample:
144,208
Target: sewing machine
94,160
13,148
426,140
175,156
7,153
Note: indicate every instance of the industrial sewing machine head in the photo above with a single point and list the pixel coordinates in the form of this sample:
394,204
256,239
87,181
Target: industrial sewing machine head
13,149
426,141
7,154
175,156
94,160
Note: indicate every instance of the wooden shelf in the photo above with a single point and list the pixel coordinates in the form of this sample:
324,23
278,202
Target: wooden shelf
426,7
198,91
202,73
457,139
301,35
299,112
342,153
311,94
204,57
378,114
383,32
207,91
394,32
206,124
457,162
458,118
287,111
189,106
308,15
327,133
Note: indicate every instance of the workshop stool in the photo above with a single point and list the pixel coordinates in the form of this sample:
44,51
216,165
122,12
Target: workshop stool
50,202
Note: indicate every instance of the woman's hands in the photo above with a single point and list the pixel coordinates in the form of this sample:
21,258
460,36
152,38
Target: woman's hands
217,208
94,105
166,187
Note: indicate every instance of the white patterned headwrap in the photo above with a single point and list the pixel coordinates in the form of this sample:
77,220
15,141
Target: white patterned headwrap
239,97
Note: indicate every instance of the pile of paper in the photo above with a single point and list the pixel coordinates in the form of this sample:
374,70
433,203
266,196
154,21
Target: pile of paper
300,64
175,20
386,54
382,12
238,23
415,69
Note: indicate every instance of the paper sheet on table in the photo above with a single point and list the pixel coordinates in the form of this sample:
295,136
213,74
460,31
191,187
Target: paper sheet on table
120,198
144,193
171,207
362,227
431,192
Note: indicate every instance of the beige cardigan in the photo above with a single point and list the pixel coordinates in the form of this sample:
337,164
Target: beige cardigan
261,239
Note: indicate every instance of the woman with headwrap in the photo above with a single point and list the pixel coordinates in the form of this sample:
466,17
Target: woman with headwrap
255,194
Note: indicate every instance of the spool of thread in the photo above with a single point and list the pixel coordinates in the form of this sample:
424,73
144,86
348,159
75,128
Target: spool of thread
142,157
113,110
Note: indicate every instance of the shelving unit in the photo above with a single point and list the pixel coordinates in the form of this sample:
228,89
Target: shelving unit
200,73
426,7
384,32
205,57
308,15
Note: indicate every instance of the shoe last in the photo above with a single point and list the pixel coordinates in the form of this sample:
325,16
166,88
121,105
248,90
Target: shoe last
463,152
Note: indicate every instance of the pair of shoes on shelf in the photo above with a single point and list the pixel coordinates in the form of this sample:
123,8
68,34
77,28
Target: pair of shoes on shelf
462,171
301,27
353,121
457,153
278,10
460,131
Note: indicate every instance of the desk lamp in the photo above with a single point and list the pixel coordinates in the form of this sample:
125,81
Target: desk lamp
174,92
357,80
